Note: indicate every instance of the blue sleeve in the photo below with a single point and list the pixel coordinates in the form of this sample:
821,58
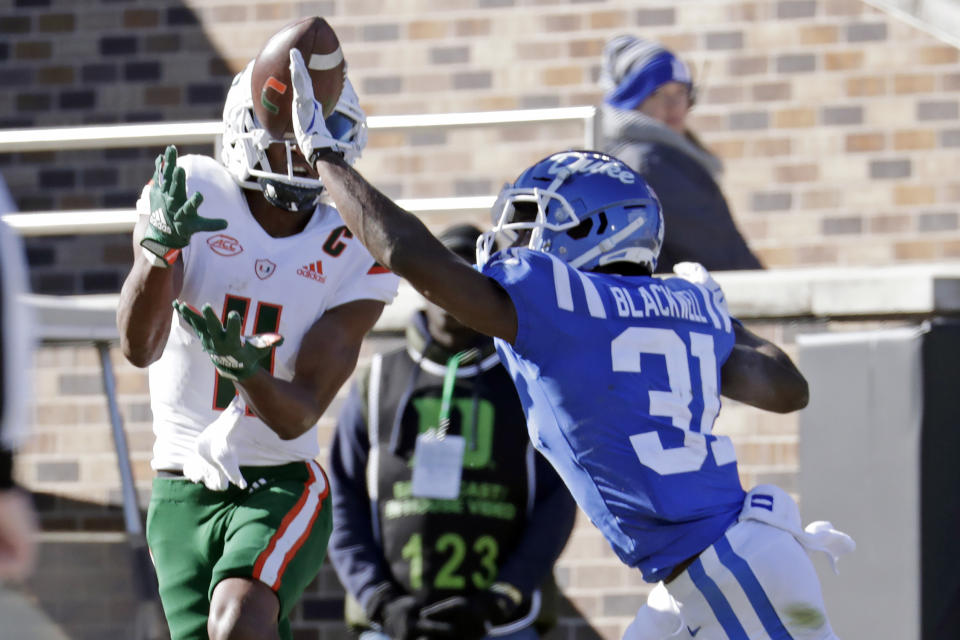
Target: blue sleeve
547,531
527,277
354,552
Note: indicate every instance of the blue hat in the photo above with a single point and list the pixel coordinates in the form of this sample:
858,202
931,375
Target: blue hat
634,68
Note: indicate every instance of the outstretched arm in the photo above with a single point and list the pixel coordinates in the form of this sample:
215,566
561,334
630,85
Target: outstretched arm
760,374
396,238
401,242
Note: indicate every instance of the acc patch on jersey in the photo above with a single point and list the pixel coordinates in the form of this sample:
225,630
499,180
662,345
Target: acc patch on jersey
224,245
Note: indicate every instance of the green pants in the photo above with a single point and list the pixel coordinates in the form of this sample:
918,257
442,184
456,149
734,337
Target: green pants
275,531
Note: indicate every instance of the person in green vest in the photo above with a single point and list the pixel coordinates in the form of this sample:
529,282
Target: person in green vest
448,523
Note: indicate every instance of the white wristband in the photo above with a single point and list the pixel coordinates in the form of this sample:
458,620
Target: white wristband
157,261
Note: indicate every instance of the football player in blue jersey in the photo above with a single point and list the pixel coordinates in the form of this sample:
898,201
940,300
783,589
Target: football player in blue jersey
620,376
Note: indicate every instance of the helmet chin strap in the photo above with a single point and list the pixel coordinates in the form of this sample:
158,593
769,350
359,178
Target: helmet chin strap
289,197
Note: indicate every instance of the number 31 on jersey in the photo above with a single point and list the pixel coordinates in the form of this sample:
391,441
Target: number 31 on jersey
674,403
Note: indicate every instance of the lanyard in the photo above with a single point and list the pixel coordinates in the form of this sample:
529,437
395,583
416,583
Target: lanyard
449,381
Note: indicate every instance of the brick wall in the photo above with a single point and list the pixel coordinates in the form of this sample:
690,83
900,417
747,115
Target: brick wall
71,463
838,125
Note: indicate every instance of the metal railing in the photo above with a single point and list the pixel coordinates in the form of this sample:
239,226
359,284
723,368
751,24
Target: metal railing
158,134
90,319
939,18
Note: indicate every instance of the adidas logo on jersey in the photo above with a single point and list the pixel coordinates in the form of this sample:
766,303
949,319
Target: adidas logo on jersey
314,271
159,222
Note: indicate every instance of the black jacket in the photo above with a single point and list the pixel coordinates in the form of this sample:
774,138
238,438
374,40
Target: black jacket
529,543
698,225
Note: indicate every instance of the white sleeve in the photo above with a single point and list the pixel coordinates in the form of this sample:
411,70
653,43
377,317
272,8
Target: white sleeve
143,203
371,282
17,339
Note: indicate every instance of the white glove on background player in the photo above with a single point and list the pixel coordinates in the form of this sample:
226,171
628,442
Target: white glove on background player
822,536
307,114
213,461
779,510
696,273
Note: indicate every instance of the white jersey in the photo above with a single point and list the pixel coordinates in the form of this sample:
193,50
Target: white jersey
280,285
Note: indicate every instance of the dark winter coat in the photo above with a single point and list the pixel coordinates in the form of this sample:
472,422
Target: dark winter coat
698,224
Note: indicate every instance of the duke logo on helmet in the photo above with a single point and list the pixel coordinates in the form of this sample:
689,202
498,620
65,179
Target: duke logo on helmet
577,162
585,207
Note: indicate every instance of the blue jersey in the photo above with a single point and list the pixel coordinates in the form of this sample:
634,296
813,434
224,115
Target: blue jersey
619,377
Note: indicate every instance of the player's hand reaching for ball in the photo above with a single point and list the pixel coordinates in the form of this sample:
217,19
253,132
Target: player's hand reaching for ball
173,218
309,127
235,356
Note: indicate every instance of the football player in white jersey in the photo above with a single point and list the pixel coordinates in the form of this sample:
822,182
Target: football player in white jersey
239,517
620,375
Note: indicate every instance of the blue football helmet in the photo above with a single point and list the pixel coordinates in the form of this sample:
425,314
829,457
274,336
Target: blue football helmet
585,207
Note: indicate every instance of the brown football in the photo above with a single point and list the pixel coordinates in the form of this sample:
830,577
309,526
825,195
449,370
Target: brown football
271,88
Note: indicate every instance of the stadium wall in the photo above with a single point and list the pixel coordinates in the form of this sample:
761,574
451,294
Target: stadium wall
838,125
838,122
86,580
85,584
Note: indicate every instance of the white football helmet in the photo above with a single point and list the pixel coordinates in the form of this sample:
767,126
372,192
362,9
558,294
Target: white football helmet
244,143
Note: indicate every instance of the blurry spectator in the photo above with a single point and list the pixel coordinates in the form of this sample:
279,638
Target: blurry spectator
17,519
7,204
648,94
422,567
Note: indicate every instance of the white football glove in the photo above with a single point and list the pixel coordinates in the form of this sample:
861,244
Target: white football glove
696,273
659,618
307,114
821,536
213,462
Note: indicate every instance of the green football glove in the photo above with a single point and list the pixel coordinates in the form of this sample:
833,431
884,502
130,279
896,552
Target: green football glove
236,357
173,218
